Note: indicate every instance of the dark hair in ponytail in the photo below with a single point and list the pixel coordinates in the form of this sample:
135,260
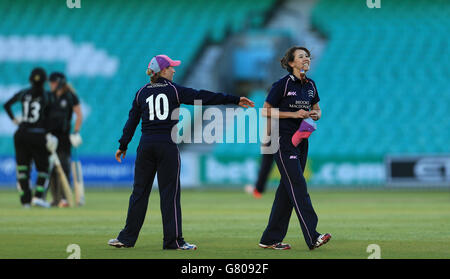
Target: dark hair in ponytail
289,57
37,79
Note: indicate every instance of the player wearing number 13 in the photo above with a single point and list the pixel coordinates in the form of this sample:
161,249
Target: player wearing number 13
30,140
155,103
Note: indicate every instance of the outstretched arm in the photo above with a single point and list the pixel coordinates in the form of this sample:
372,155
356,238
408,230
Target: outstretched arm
188,95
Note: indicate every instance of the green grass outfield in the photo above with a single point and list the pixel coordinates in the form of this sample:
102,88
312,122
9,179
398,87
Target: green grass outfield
228,224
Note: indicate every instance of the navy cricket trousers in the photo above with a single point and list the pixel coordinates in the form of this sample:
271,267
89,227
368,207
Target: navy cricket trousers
291,194
164,159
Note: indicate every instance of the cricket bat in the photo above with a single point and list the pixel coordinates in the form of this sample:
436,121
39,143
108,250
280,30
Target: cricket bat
64,182
78,182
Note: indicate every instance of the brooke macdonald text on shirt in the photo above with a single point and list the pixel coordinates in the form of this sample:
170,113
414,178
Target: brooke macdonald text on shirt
301,105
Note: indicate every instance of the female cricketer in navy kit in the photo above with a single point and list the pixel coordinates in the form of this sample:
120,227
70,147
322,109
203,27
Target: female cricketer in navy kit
296,97
157,152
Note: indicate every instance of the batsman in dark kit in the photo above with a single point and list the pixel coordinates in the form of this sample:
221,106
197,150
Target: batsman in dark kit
65,103
32,141
157,153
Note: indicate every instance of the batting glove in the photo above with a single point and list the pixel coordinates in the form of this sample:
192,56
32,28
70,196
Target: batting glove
75,140
52,142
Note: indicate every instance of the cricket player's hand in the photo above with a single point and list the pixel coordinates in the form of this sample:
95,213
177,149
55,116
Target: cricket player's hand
314,115
246,102
301,114
52,142
120,153
17,120
75,139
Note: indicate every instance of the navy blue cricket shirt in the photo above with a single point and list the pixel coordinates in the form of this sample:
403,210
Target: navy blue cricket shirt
154,104
290,94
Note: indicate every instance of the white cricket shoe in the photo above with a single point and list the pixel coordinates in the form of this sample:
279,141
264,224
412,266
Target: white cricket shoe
187,246
81,202
321,240
40,203
276,246
116,243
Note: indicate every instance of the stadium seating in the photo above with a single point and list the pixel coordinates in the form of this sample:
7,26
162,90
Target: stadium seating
104,48
379,94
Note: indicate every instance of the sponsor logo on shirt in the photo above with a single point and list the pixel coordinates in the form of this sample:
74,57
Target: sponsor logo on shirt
292,93
310,93
293,157
300,105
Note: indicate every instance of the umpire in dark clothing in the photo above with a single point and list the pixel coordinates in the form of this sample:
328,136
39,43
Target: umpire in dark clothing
65,103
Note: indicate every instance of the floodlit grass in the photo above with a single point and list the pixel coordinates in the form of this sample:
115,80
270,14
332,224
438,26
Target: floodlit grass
229,224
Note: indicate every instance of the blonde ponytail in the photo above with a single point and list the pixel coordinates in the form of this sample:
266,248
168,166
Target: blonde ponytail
153,76
69,87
